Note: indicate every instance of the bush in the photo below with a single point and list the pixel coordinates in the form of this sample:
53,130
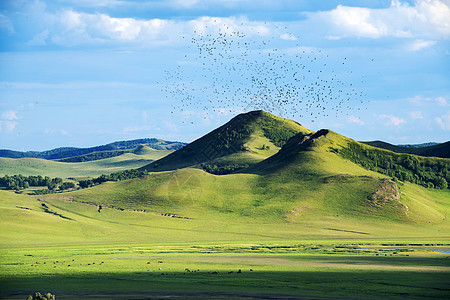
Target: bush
123,175
39,296
222,169
66,186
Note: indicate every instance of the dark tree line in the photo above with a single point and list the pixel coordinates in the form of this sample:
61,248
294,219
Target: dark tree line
222,169
94,156
39,296
18,182
428,172
118,176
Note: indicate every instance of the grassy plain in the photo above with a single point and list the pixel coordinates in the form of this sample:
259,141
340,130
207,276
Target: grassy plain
234,270
73,251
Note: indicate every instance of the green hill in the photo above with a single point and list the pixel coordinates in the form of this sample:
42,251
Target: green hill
321,182
312,181
438,150
245,140
137,158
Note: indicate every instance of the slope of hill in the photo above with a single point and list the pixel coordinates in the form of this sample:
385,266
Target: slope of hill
426,171
65,152
436,150
245,140
34,166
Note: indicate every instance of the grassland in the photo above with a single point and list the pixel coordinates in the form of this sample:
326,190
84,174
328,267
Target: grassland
35,166
72,250
210,271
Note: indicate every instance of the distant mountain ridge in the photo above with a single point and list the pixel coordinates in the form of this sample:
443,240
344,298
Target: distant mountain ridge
418,145
426,149
67,152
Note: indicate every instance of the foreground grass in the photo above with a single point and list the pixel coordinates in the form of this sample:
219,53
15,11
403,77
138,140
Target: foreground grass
203,270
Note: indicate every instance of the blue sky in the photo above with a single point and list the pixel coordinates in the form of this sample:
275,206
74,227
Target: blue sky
88,72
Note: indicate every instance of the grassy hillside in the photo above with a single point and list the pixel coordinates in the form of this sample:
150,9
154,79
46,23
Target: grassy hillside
439,150
246,139
310,180
35,166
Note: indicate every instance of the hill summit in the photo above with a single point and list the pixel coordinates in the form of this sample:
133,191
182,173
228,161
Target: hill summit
245,140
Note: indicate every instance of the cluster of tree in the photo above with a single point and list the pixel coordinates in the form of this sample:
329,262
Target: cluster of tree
43,192
230,136
222,169
118,176
18,182
64,186
428,172
278,137
39,296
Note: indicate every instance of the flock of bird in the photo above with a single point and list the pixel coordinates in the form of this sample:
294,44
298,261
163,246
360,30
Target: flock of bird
229,70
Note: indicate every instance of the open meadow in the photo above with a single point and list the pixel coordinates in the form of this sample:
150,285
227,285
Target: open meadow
73,251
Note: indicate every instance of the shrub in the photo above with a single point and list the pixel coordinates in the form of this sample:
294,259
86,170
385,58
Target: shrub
39,296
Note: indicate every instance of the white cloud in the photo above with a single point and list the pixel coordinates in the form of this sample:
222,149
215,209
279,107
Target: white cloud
416,115
136,128
6,24
64,132
288,37
441,101
10,115
144,116
39,39
392,120
423,19
301,50
96,3
73,28
356,120
9,126
444,121
184,3
74,85
420,44
426,101
170,126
